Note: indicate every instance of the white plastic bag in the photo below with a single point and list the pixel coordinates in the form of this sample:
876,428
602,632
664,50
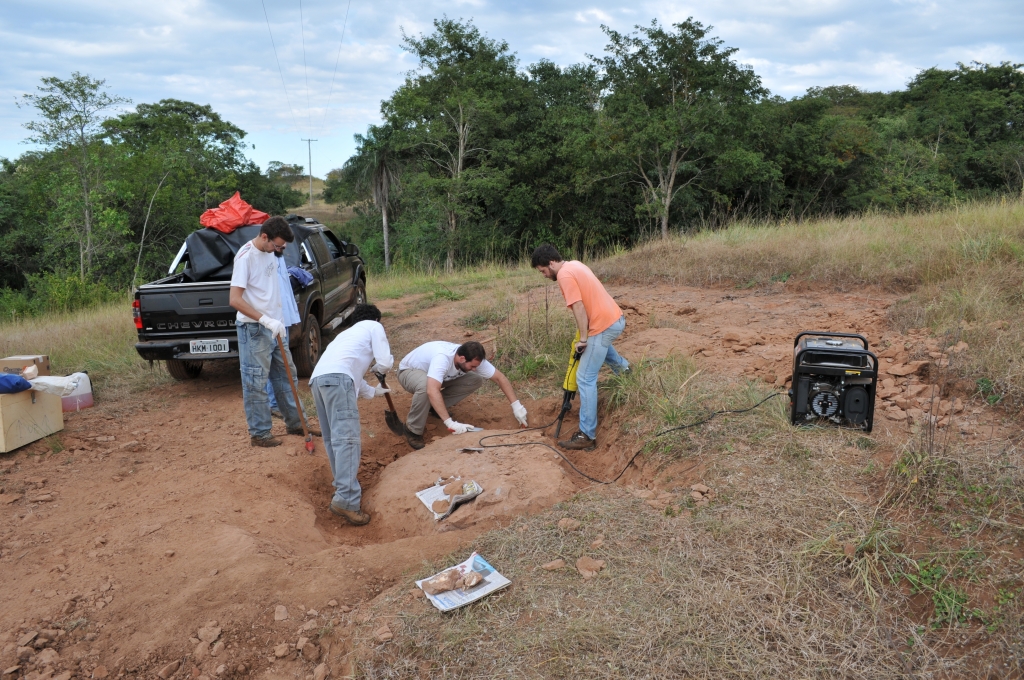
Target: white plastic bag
61,385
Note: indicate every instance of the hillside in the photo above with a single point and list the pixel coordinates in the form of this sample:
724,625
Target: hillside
743,547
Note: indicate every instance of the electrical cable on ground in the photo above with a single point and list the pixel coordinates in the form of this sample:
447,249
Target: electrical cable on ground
635,455
337,61
279,69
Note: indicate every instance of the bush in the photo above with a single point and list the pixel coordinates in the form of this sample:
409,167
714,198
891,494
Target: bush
53,292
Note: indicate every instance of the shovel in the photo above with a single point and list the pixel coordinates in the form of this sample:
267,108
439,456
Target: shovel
295,393
391,415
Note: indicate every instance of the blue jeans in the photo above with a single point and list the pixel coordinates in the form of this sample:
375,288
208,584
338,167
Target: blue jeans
271,399
599,351
335,397
260,358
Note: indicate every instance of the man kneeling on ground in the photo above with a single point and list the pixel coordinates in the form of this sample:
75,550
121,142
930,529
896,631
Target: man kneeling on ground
441,374
336,380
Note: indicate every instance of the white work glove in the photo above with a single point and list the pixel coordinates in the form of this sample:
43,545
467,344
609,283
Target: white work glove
379,391
519,411
457,428
383,366
275,327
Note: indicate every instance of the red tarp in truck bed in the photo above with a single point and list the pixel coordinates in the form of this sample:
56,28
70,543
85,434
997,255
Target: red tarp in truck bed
232,214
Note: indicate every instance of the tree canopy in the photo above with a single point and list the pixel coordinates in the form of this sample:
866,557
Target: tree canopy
478,156
664,132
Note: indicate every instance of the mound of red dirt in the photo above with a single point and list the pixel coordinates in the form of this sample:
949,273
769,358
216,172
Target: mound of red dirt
516,481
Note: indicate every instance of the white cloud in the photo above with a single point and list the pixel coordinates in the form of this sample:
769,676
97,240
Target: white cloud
593,15
219,51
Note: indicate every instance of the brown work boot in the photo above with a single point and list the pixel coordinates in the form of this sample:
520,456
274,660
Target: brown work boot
414,440
356,517
265,442
298,431
579,442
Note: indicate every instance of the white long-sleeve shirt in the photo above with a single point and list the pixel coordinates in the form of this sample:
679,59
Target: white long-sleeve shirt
353,352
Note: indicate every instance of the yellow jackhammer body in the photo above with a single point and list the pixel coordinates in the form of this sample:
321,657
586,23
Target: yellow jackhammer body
569,387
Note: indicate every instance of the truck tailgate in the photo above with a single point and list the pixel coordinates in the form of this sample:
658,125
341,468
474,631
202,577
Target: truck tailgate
187,321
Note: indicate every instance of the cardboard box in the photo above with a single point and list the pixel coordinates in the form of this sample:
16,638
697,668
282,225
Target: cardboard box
28,416
17,363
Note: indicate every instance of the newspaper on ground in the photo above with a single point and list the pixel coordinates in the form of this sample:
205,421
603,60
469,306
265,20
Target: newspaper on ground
431,494
453,599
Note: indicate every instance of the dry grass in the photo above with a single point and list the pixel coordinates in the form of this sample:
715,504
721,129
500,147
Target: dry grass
897,252
963,269
793,571
100,341
499,279
534,332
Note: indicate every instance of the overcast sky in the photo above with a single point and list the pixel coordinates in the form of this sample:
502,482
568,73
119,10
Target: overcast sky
219,52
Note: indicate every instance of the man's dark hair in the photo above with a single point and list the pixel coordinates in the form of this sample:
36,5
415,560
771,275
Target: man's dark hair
545,255
278,227
365,313
471,351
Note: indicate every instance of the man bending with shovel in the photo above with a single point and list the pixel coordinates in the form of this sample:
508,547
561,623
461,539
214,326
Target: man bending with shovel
441,374
335,383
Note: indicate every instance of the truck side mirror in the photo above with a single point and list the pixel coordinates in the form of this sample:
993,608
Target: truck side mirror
351,249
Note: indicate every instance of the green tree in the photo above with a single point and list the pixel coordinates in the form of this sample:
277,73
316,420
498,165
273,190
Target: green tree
373,173
454,115
675,101
71,114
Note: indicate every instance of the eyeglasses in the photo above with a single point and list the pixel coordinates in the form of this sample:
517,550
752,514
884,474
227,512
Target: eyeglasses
279,248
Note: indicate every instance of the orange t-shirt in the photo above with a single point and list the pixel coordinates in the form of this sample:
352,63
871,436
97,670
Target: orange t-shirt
579,283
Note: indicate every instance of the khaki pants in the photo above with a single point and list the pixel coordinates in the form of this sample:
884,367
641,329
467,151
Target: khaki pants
452,391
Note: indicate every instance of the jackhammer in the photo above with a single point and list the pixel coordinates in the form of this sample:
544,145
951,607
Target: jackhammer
569,383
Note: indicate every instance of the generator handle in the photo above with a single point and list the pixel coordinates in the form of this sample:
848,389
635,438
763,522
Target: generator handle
800,355
856,336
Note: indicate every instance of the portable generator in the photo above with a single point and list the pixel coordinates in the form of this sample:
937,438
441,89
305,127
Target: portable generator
834,379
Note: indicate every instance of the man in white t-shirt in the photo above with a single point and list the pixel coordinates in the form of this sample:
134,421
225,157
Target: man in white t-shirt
441,374
336,381
256,295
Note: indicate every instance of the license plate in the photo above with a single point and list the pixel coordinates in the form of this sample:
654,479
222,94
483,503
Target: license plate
219,346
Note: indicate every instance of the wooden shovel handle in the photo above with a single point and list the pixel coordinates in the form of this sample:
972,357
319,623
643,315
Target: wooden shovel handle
387,395
291,383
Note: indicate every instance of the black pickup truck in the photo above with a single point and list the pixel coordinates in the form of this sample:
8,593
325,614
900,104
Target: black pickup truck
185,319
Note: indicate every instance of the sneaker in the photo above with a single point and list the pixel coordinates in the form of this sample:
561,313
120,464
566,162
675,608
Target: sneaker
275,413
356,517
265,442
414,440
298,431
579,442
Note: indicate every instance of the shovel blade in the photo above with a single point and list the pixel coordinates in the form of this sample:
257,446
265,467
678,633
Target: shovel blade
394,423
309,444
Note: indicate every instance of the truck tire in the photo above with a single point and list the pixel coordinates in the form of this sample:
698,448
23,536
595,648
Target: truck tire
308,351
183,369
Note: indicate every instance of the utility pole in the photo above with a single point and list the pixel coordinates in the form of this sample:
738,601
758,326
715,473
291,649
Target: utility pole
309,145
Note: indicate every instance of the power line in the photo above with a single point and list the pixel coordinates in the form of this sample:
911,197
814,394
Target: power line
279,69
309,109
344,26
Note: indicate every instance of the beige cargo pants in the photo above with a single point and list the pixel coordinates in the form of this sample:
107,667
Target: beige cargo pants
453,391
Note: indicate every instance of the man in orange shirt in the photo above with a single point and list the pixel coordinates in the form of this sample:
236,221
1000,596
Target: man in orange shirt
599,320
